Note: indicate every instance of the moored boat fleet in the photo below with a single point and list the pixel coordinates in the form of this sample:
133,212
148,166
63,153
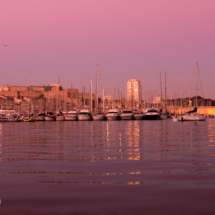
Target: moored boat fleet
113,114
84,115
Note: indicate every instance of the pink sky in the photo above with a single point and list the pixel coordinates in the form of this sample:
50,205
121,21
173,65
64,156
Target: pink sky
132,39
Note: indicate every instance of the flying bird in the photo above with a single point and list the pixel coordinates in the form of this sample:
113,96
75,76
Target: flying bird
5,45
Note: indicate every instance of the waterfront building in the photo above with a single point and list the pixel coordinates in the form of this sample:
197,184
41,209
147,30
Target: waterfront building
134,94
43,98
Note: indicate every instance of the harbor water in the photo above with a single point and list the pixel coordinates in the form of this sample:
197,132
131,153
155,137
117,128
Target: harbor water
107,167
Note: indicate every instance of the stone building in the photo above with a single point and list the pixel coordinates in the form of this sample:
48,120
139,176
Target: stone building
134,94
43,98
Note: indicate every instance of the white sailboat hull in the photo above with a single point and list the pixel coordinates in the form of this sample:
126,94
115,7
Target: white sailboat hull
111,117
139,116
71,118
99,117
48,118
191,118
40,118
126,116
60,118
83,117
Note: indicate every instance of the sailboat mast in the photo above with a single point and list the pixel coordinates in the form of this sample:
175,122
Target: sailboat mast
81,95
30,91
103,100
181,100
121,98
174,102
48,100
56,100
145,102
84,96
197,67
91,92
165,91
64,103
112,96
71,98
126,96
97,86
132,96
189,98
52,102
161,90
58,89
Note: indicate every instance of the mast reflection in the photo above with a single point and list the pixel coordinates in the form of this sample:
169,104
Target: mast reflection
1,141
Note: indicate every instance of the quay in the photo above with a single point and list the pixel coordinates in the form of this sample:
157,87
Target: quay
54,98
77,115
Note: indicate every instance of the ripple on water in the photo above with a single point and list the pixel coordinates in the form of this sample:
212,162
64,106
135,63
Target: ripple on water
114,164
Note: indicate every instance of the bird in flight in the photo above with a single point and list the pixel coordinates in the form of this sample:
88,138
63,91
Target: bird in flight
5,45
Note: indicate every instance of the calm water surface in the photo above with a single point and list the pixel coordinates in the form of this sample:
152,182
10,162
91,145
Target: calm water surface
108,167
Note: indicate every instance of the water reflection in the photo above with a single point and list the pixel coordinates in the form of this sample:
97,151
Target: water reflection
130,162
70,173
133,137
0,140
109,148
211,133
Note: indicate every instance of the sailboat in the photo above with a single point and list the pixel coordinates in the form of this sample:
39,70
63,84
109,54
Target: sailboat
31,117
59,115
41,117
50,117
193,115
84,113
139,115
73,114
98,115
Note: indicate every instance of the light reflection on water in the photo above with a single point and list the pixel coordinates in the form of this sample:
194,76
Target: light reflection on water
0,141
172,156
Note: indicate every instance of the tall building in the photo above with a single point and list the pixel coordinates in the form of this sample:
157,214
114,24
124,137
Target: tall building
134,94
